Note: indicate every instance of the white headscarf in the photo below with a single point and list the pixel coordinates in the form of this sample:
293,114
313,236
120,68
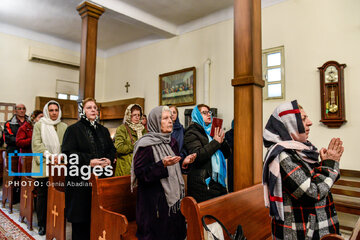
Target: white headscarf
48,134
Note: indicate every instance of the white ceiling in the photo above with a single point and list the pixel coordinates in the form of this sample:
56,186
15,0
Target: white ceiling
126,24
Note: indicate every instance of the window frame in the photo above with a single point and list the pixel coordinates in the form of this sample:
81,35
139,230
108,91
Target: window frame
265,69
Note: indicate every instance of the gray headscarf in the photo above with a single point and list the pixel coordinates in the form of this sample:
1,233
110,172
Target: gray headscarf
160,142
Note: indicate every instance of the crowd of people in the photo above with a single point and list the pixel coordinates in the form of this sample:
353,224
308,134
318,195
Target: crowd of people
156,150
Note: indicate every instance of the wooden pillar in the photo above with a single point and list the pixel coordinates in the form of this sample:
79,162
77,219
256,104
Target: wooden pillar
248,86
90,14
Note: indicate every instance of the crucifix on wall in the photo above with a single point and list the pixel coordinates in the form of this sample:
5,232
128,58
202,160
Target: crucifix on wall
127,85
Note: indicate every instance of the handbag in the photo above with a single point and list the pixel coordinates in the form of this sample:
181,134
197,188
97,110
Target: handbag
239,235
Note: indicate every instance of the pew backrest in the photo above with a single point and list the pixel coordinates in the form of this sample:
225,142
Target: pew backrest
26,164
114,194
245,207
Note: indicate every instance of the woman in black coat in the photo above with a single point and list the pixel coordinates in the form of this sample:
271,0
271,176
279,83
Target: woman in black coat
207,175
92,144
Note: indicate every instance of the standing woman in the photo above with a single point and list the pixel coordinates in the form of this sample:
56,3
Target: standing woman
93,145
24,134
206,178
126,136
296,184
157,172
47,139
178,129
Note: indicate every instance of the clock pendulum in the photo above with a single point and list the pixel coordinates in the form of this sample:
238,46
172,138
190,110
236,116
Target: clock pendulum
333,104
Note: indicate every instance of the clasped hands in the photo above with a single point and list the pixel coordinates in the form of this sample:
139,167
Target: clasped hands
334,150
169,160
103,162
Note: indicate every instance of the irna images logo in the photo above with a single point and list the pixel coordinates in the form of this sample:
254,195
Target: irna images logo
61,166
28,174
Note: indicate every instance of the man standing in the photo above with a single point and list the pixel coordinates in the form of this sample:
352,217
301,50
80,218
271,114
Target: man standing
12,126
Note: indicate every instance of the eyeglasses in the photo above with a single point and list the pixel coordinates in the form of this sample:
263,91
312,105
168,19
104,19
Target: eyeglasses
20,108
206,112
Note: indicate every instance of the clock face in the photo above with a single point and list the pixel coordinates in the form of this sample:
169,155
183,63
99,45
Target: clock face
331,74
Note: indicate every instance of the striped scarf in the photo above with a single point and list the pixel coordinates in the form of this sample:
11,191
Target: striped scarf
283,126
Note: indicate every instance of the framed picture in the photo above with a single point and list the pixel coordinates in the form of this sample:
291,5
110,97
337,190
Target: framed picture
178,88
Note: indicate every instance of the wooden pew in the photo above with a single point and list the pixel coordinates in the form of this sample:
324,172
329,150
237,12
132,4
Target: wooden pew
113,208
1,165
245,207
8,188
55,218
27,193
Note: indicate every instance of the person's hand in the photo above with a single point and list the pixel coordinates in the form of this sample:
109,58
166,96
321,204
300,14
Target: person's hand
169,160
105,162
96,161
334,150
219,135
189,159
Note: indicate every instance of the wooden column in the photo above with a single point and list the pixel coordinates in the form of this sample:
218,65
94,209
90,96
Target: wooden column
90,14
248,86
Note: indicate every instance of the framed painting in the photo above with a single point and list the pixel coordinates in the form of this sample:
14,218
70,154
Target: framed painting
178,88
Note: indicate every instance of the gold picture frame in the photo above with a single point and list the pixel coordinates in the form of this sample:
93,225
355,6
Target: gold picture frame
178,88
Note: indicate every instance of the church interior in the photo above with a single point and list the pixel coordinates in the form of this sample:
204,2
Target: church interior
43,56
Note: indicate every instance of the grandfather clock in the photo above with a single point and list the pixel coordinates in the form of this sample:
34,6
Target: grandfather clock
332,94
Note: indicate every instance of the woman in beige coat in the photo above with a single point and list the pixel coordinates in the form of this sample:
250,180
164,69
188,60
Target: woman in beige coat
47,139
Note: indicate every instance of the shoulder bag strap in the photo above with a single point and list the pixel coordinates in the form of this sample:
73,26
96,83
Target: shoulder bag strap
216,220
129,132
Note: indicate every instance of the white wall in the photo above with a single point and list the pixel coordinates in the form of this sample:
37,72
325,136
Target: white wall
21,80
141,68
312,32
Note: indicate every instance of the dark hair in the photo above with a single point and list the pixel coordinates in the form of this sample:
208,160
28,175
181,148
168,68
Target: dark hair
173,106
35,113
53,103
203,105
144,115
136,107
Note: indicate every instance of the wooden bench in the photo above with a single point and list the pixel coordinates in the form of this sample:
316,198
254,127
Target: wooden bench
245,207
27,192
8,188
55,218
1,165
113,207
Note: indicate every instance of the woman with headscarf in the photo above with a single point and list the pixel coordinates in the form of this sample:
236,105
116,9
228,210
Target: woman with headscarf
296,184
24,134
92,143
178,129
157,173
126,136
206,178
47,138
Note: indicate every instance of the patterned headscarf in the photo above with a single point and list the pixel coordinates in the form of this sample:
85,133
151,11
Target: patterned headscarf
82,115
283,127
137,127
